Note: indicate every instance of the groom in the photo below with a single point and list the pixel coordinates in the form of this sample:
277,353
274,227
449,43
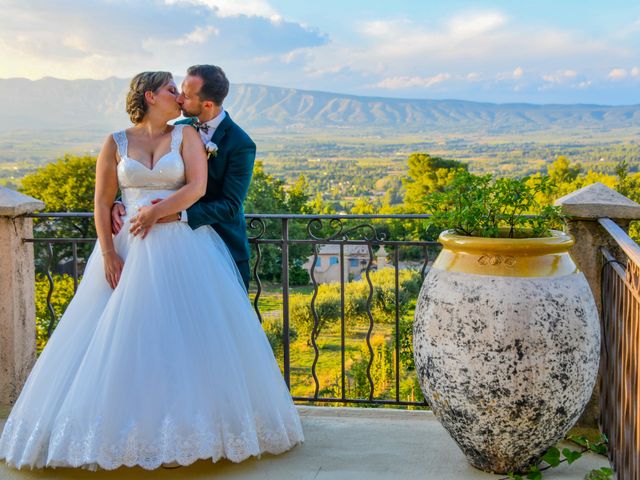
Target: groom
231,156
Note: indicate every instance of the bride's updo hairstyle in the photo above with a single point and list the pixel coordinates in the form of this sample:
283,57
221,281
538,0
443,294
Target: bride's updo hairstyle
143,82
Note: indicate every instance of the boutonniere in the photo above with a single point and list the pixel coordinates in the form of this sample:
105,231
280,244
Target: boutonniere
212,149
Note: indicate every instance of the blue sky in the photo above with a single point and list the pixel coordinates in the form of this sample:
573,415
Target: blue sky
540,51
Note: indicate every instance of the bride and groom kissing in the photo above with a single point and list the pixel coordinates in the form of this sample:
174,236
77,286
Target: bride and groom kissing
159,358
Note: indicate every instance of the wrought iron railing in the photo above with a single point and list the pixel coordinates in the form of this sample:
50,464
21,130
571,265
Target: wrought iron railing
269,231
620,372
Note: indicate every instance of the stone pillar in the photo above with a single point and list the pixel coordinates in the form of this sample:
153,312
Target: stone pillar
17,285
584,207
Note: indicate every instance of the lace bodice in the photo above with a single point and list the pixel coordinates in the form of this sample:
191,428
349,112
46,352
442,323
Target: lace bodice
140,184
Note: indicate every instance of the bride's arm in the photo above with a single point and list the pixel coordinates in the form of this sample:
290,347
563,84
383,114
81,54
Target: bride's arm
195,162
106,190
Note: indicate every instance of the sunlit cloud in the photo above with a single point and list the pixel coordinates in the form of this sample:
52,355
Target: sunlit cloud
116,38
617,74
562,76
199,35
515,74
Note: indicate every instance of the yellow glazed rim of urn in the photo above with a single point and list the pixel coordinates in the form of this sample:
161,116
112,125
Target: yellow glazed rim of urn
515,257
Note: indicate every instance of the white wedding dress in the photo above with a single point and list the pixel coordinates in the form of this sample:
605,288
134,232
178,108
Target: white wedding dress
172,365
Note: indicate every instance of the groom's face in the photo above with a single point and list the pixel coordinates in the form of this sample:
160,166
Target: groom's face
189,100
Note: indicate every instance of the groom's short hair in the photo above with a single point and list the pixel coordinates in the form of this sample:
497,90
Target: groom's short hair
215,85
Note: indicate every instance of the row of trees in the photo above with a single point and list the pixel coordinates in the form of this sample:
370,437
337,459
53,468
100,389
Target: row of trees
429,174
67,185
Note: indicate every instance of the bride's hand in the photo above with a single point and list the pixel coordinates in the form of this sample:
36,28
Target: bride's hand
143,221
113,265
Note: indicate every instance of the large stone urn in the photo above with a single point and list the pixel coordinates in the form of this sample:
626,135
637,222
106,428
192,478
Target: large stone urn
507,345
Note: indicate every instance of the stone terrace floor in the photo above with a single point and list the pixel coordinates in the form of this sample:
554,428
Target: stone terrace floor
340,444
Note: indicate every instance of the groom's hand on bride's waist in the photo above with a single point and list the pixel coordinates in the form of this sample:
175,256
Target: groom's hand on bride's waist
117,212
174,217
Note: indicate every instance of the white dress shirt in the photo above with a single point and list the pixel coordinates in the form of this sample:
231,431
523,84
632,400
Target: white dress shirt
206,137
213,124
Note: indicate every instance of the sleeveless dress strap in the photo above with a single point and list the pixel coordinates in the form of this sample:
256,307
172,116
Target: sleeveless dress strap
176,137
121,141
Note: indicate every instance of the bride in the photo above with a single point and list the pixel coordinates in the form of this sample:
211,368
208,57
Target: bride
159,357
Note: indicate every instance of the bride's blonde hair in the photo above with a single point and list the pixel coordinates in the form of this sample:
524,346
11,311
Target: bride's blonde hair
141,83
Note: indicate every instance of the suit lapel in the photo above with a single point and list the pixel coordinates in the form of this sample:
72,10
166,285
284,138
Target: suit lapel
221,130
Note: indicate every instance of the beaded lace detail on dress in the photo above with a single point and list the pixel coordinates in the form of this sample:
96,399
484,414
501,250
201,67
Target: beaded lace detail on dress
80,444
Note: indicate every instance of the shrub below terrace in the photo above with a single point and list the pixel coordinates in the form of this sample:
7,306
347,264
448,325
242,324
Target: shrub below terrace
382,373
381,368
273,330
356,295
60,298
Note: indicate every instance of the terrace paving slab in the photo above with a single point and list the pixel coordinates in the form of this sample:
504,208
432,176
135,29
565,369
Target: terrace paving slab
340,444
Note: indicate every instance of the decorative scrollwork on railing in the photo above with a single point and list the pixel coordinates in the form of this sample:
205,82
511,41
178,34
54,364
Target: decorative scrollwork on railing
370,234
52,312
316,322
258,225
256,277
370,316
314,228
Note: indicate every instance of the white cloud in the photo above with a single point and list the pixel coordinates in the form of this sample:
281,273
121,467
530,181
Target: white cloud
469,26
106,37
490,44
635,72
560,77
617,74
198,36
300,55
516,74
232,8
75,42
563,80
378,28
395,83
404,38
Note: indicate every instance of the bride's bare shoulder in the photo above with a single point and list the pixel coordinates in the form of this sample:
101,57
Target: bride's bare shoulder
109,145
190,134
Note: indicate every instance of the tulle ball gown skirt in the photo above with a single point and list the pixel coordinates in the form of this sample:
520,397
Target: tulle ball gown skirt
172,365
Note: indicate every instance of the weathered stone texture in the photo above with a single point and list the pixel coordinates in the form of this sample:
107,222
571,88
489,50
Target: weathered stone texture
507,363
17,307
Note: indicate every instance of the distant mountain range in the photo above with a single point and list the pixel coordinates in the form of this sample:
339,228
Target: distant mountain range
98,105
